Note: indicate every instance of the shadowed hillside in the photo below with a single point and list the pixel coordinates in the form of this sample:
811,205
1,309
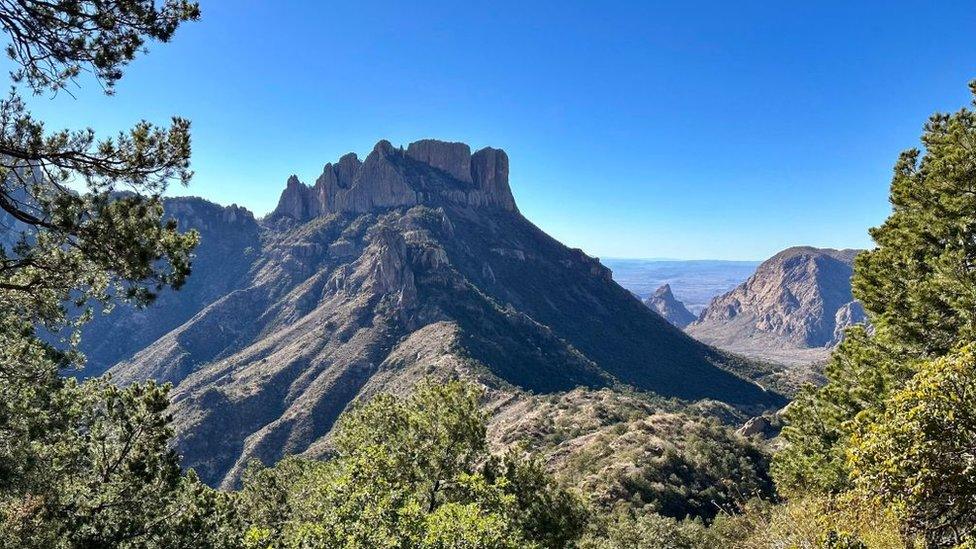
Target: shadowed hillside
408,263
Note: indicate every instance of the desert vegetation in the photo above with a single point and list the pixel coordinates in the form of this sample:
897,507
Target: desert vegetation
883,454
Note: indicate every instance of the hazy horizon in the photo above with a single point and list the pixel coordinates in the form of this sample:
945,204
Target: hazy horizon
634,130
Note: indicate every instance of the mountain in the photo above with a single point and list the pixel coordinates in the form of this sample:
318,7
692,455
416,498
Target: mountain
407,264
663,302
637,450
229,246
792,310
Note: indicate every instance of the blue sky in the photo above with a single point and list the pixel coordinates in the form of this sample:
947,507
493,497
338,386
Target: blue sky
635,129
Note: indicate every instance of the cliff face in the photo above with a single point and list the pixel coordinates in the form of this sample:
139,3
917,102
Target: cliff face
426,172
663,302
797,303
412,263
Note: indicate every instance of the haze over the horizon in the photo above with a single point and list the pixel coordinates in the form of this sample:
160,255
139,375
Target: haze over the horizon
719,131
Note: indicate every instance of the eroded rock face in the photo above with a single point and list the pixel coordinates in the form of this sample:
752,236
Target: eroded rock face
453,158
296,201
489,169
334,178
799,299
850,314
760,426
392,178
665,304
406,273
230,243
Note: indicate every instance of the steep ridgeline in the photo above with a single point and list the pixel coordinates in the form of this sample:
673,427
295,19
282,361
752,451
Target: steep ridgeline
229,245
663,302
793,310
407,264
230,242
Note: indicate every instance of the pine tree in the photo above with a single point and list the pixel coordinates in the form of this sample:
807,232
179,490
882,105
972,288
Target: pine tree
884,424
88,464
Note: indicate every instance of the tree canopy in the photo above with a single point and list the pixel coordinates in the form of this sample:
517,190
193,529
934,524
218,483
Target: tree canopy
87,464
892,423
411,472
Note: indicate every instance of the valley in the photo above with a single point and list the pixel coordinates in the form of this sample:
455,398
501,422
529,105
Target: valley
257,303
694,282
411,263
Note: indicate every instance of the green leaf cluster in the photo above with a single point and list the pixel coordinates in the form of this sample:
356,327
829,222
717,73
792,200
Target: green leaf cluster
893,424
411,472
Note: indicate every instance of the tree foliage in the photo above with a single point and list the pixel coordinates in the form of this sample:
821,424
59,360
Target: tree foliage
411,472
920,455
881,456
893,421
53,42
636,530
861,372
82,216
917,284
88,464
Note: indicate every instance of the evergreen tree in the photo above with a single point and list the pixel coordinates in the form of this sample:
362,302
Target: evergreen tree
920,455
892,421
81,223
411,472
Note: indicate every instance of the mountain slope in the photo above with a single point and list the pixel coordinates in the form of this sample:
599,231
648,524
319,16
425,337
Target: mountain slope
229,243
663,302
409,263
794,309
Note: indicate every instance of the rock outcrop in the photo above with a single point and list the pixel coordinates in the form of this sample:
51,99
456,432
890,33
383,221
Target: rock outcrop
663,302
428,172
759,426
794,309
384,273
453,158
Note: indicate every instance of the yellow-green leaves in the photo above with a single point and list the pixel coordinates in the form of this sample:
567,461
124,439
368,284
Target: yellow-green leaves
920,454
411,471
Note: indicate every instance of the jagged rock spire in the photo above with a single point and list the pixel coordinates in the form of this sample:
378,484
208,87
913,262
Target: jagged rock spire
665,304
427,172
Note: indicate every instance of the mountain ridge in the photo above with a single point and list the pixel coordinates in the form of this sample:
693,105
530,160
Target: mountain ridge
381,181
663,302
439,277
793,309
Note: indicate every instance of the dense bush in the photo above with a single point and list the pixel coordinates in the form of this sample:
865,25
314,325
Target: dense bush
894,422
920,454
411,472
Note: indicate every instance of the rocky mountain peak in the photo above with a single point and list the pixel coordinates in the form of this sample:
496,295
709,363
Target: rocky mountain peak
798,299
453,158
194,212
345,171
428,172
424,273
663,302
489,171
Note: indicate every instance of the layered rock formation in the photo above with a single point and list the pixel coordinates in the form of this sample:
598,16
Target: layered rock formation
426,172
794,309
413,263
663,302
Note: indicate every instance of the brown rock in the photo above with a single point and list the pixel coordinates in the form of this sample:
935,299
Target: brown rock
489,171
794,309
665,304
386,180
757,426
453,158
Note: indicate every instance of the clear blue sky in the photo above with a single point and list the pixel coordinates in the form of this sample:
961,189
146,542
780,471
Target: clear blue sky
723,130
